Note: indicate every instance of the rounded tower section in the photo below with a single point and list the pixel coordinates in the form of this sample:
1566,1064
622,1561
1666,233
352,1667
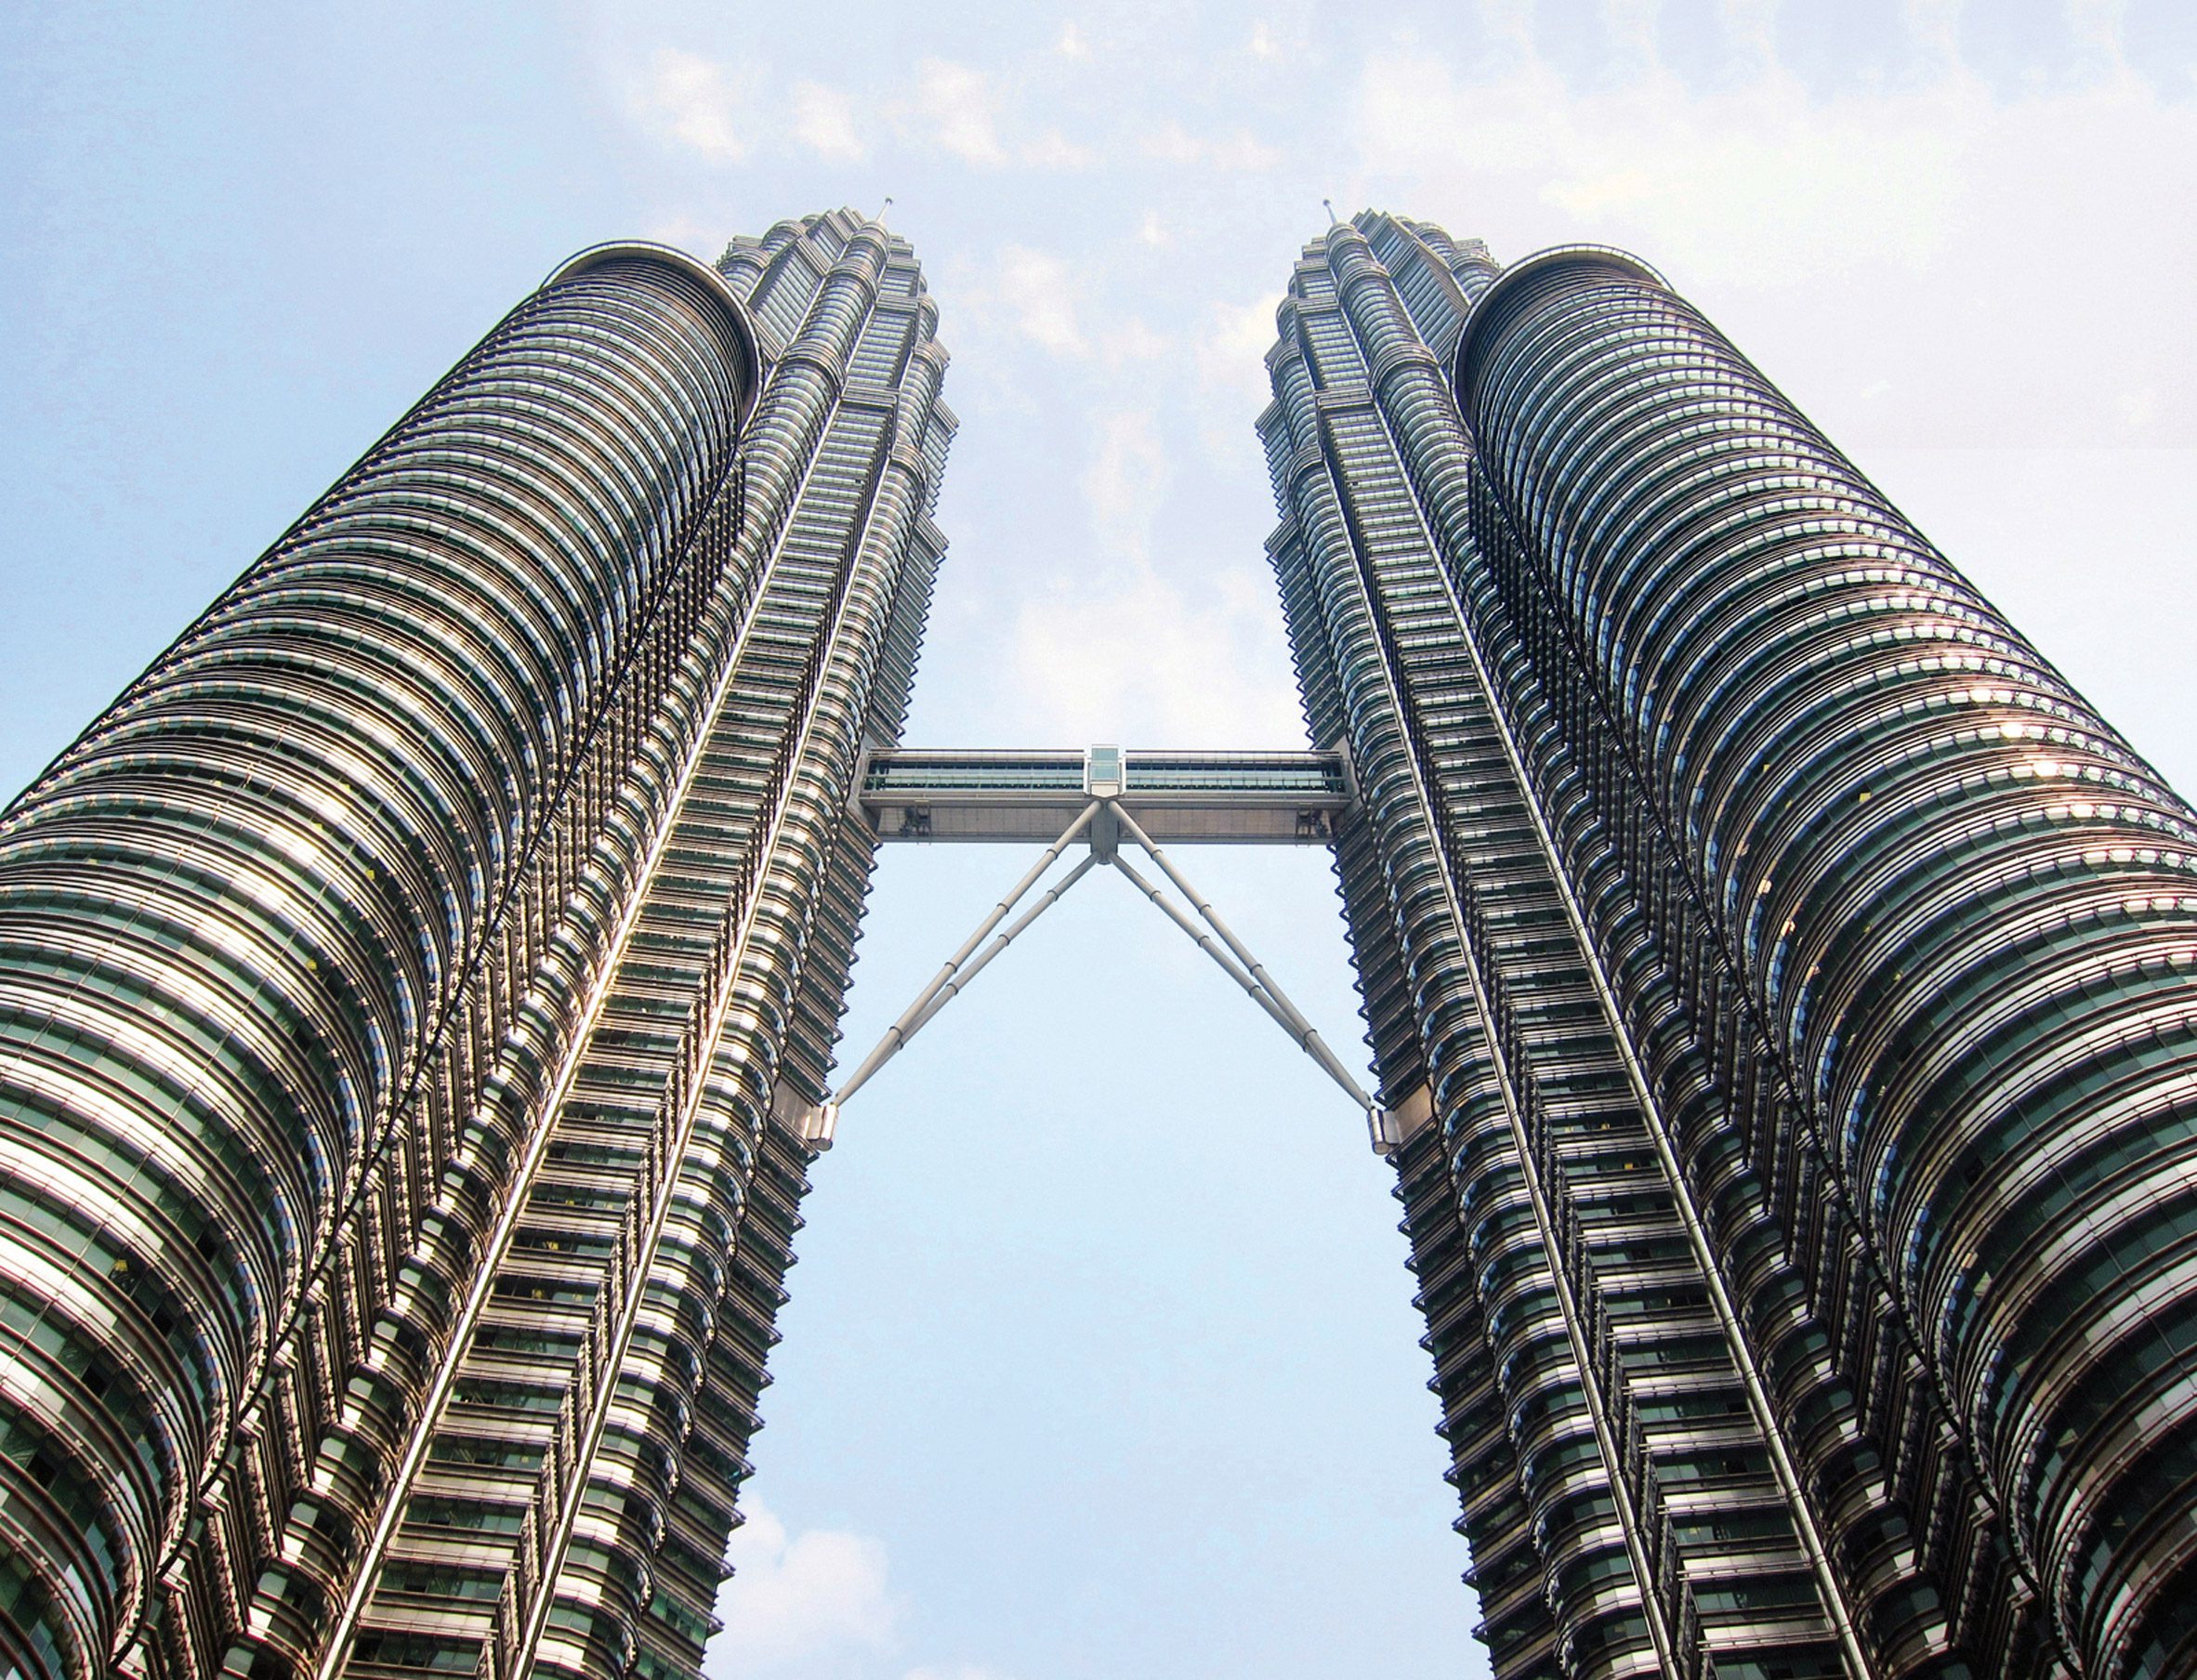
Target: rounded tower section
238,914
1963,911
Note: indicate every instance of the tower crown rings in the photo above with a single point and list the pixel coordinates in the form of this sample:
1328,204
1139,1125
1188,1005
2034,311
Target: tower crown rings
1527,279
719,289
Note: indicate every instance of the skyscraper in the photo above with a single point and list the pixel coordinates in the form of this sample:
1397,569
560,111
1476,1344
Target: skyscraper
418,995
1780,991
416,985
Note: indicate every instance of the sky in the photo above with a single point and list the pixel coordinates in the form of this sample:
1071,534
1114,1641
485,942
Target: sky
1100,1358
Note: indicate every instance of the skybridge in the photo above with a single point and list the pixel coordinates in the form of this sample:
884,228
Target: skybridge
1179,798
1107,800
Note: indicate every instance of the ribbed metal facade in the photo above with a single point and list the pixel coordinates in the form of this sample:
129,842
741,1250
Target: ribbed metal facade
1789,977
417,993
415,987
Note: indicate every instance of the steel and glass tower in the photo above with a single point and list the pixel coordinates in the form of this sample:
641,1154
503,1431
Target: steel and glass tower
1780,986
418,995
416,989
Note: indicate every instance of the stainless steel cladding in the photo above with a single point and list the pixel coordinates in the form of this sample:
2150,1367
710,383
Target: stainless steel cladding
1624,1491
1958,914
413,985
418,992
1801,973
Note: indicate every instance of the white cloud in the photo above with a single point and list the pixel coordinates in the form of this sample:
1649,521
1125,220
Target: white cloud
1053,150
694,103
1231,356
1127,475
823,121
959,1670
1898,230
798,1596
1133,339
1134,650
1632,25
1151,660
1935,27
1037,291
959,107
1152,230
1263,44
1797,177
1509,24
1170,142
1751,33
689,232
2096,26
1072,44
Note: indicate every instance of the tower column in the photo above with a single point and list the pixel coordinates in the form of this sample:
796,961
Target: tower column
1959,915
244,916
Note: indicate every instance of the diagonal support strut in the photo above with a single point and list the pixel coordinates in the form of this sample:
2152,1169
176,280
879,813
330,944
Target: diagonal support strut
1215,939
1245,969
1045,900
945,981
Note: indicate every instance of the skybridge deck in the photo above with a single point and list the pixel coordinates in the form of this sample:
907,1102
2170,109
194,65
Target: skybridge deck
1227,799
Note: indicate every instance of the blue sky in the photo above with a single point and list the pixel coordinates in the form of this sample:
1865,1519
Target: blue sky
1100,1358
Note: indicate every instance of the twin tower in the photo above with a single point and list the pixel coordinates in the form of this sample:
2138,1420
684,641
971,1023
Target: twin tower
418,995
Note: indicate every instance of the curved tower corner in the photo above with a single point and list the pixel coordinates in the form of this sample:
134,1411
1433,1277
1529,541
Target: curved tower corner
414,984
1799,972
1953,915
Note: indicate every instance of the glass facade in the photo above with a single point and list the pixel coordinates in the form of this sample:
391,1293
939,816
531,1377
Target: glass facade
418,995
1788,980
415,987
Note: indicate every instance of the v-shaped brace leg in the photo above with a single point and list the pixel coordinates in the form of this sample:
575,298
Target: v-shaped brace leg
1215,939
1236,960
954,976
